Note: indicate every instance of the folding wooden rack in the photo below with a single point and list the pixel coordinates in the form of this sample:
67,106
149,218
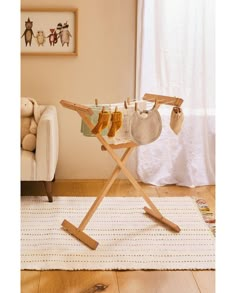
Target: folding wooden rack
85,112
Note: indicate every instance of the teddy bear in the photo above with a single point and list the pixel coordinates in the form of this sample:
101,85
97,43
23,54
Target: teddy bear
30,115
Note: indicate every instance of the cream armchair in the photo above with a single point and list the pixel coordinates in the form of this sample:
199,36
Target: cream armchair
41,164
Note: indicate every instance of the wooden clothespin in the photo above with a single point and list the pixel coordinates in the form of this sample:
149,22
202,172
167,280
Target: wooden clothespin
156,105
96,102
125,105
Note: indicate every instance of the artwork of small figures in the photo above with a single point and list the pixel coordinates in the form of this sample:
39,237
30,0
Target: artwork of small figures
48,32
40,38
64,34
28,33
52,37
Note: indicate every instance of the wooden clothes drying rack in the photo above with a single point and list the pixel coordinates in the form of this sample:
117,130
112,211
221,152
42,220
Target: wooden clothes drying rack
85,112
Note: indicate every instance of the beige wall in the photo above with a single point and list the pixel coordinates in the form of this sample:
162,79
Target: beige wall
104,68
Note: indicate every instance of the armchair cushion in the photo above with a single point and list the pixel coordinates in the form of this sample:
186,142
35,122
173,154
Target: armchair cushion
41,165
28,166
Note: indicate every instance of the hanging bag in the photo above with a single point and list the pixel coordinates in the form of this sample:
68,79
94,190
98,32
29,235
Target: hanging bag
145,126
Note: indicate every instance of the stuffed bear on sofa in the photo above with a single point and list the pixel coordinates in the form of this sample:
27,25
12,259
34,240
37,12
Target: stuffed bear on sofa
30,115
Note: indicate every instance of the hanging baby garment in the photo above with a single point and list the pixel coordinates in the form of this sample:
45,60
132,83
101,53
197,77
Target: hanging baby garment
176,119
145,126
116,123
103,121
94,119
122,135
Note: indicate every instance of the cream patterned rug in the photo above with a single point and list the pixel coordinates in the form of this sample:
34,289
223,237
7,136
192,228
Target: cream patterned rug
128,238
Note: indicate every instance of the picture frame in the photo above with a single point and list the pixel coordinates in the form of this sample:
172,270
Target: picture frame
49,31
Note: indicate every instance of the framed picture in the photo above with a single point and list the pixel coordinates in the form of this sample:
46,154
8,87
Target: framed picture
49,31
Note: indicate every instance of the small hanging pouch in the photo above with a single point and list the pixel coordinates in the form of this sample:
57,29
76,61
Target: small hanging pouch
176,119
146,126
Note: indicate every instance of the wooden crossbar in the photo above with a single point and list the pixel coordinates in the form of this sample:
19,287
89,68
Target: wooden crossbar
120,146
76,107
84,111
174,101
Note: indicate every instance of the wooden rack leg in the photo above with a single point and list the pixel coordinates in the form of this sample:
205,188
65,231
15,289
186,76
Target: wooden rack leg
136,185
153,211
165,221
87,240
78,232
104,191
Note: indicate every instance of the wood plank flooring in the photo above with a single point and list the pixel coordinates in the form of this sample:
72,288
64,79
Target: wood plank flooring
118,281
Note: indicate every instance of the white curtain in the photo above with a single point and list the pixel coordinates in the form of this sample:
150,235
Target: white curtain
176,57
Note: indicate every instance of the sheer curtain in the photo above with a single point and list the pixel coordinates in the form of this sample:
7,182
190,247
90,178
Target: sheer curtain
176,57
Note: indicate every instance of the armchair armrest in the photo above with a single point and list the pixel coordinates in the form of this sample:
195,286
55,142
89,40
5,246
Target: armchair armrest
47,145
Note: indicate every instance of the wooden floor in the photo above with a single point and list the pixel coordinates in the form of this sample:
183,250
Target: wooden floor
118,281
